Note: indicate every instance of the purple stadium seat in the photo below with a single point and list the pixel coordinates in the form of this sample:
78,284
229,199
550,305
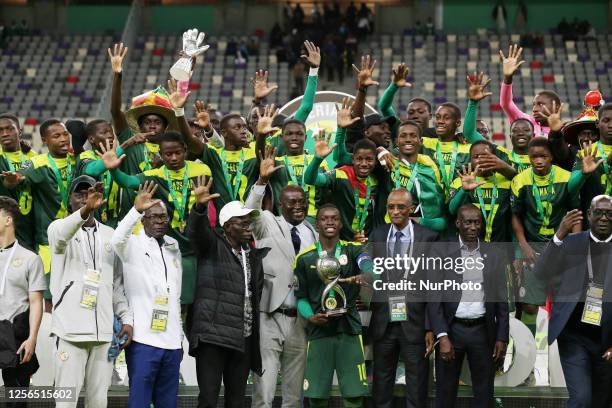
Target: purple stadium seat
440,86
439,99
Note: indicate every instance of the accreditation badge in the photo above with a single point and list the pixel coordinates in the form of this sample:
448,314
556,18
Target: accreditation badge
159,320
398,311
91,285
591,314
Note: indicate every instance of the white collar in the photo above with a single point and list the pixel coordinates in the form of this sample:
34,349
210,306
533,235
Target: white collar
406,231
463,246
609,239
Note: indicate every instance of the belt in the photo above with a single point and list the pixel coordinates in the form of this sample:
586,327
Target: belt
470,322
287,312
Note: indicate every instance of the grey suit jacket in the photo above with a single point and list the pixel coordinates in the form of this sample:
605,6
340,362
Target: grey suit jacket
273,232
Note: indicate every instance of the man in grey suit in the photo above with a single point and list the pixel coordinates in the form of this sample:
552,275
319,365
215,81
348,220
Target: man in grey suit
283,339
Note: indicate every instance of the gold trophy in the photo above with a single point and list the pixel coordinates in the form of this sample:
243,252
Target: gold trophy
328,269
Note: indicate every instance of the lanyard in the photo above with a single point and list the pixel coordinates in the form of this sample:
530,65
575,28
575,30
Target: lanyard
521,166
161,252
147,161
447,178
243,256
413,173
92,253
58,178
6,267
336,251
237,177
108,184
291,172
606,166
361,212
182,206
488,217
549,192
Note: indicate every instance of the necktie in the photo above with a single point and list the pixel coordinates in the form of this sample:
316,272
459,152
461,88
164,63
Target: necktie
397,247
295,239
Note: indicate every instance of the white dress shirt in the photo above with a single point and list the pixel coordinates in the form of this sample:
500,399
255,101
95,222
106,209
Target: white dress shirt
406,238
307,239
150,269
472,304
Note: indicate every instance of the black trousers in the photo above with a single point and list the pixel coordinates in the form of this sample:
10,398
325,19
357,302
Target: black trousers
215,363
470,340
16,377
387,351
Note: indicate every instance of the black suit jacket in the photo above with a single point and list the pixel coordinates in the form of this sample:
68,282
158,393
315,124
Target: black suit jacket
415,326
566,266
442,310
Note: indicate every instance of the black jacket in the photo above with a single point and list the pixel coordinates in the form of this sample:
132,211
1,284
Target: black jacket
442,312
11,337
566,267
415,326
217,314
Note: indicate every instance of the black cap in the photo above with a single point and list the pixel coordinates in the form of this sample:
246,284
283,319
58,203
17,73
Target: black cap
82,180
376,119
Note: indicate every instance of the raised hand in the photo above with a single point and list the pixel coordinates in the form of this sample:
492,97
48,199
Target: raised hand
192,43
144,198
177,98
589,158
264,123
553,118
364,75
313,54
260,85
12,179
201,190
513,61
468,178
322,147
569,221
343,113
202,115
95,197
267,164
108,154
138,138
116,55
400,72
477,84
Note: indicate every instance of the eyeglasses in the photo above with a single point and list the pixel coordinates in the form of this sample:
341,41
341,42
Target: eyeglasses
157,217
597,213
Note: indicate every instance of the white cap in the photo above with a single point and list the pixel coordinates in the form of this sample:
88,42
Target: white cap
234,209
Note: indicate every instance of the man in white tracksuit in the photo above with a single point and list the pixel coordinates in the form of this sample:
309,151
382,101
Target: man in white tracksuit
87,289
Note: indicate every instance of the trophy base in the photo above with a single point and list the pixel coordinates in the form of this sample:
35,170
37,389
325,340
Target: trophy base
336,312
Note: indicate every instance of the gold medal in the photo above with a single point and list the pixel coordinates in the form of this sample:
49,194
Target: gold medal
331,303
17,263
104,217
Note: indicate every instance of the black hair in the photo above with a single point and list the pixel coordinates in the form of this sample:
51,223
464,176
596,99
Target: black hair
483,142
168,137
426,102
454,108
291,121
467,207
326,206
604,108
10,206
141,118
12,118
46,125
523,120
539,141
92,126
413,123
552,95
292,188
227,118
364,144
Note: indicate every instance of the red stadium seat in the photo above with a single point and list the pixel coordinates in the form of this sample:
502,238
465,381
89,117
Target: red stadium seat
31,121
499,137
496,107
158,52
72,79
548,78
194,85
536,65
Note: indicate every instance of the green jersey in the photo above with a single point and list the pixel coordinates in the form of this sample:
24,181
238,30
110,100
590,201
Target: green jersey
354,198
542,201
599,182
293,173
49,179
14,161
111,212
424,182
175,189
449,156
310,286
139,157
519,162
494,197
233,172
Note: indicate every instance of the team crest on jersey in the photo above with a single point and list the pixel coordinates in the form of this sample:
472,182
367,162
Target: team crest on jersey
306,384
